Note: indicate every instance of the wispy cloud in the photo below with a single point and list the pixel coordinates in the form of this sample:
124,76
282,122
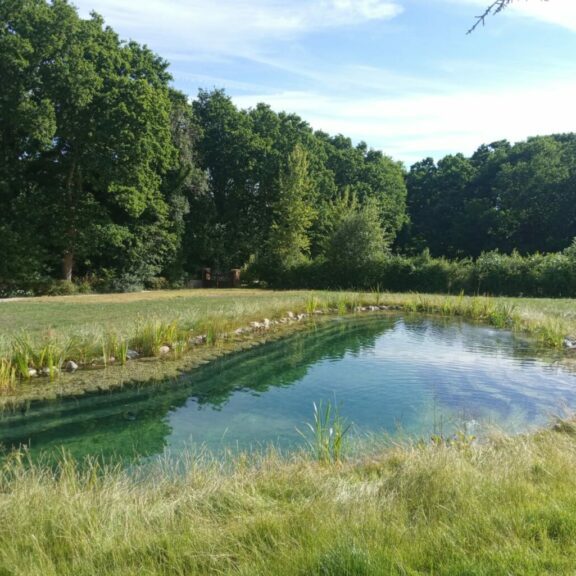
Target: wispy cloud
430,123
232,27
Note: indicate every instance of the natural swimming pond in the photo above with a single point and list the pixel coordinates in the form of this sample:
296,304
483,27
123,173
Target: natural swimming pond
397,375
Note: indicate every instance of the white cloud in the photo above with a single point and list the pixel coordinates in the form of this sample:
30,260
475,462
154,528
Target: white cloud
411,127
231,27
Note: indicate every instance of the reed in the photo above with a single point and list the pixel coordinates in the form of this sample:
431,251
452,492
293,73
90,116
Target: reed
328,433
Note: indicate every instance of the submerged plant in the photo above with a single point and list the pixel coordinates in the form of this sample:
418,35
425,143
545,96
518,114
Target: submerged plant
328,432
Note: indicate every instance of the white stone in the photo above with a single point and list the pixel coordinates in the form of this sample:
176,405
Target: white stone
164,350
569,343
290,315
266,323
132,354
32,372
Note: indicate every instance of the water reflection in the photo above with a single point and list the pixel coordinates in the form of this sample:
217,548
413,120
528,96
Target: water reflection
390,372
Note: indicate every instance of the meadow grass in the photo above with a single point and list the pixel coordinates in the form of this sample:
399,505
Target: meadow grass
41,334
507,506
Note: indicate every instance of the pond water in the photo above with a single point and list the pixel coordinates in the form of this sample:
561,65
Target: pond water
410,376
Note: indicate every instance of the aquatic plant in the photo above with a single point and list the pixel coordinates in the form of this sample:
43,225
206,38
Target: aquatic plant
328,432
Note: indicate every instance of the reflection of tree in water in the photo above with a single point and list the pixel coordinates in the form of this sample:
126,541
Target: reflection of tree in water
132,422
285,362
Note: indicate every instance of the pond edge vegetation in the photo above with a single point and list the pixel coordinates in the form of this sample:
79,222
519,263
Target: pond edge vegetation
29,365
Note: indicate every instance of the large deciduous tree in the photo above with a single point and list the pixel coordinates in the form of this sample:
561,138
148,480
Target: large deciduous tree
86,139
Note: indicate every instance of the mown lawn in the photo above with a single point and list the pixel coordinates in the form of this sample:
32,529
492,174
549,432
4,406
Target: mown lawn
65,315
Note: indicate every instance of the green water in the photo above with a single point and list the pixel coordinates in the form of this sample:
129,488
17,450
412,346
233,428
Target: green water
393,375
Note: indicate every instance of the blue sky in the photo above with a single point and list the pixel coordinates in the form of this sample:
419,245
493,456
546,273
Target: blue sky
401,75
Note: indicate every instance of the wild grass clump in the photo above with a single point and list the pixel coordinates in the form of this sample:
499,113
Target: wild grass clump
46,357
8,374
327,433
506,506
150,335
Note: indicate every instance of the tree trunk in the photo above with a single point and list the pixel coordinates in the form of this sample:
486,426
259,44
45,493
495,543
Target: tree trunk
71,230
67,266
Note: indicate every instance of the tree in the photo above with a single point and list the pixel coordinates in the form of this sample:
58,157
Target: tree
86,127
288,244
358,240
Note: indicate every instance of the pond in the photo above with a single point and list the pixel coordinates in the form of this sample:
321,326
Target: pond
409,376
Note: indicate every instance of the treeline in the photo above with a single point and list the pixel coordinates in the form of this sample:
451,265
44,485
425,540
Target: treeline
110,179
504,197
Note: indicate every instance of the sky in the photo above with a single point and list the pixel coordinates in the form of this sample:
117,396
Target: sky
401,75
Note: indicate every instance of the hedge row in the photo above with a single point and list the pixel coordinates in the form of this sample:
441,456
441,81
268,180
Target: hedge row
551,275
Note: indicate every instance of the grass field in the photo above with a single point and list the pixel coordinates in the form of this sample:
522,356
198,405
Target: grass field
39,335
66,315
506,506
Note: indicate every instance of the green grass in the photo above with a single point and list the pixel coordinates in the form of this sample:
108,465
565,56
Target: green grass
504,507
42,334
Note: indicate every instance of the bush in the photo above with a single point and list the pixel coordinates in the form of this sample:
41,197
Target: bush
552,275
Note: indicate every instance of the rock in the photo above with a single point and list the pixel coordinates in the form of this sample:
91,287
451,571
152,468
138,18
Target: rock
290,315
255,325
300,317
318,312
71,366
198,340
163,350
240,331
266,323
373,308
383,307
32,372
132,355
569,343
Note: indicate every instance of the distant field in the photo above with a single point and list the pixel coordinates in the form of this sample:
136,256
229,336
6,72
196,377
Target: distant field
66,315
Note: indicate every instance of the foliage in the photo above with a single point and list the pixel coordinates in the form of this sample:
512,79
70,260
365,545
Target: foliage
503,197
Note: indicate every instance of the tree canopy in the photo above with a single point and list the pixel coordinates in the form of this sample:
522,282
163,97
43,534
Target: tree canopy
112,178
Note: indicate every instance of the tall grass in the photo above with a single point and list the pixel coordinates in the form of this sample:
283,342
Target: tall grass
328,432
504,507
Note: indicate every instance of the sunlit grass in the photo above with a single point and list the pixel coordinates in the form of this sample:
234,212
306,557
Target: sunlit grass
504,507
178,321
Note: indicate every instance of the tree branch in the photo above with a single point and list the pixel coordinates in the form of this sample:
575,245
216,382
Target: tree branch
494,8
